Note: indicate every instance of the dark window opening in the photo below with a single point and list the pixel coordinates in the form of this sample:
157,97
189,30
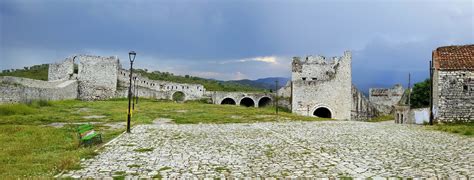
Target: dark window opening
314,79
465,88
304,79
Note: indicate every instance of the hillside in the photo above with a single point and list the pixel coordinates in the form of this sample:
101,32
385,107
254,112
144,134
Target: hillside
264,83
40,72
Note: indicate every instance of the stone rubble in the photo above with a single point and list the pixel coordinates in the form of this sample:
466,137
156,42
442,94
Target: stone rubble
283,149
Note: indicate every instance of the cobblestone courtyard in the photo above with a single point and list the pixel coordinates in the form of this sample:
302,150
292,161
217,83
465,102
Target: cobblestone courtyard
291,149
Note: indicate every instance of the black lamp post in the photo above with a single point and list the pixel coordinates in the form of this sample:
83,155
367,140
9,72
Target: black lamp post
133,94
131,56
136,90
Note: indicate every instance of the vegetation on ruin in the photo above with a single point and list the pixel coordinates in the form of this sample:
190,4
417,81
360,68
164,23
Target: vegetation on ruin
466,129
39,72
420,95
30,146
209,84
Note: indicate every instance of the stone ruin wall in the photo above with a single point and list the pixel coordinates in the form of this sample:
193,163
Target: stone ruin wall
362,108
61,70
97,77
453,96
16,89
318,82
218,96
158,89
384,99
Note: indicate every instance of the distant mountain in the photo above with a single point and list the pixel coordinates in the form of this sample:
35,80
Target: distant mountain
263,83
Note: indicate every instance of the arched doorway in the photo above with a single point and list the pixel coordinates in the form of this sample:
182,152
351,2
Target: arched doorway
247,102
264,101
322,112
178,96
228,101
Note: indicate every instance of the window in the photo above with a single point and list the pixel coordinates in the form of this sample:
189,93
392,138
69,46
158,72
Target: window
465,88
304,79
314,79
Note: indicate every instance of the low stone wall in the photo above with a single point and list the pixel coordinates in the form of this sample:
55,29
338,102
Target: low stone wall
15,89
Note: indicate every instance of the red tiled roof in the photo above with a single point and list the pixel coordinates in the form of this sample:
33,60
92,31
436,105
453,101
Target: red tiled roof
454,58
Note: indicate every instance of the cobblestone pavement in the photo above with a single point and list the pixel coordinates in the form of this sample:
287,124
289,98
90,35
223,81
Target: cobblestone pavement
284,149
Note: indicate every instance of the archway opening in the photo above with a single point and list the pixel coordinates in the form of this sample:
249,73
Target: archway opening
228,101
247,102
178,96
322,112
264,101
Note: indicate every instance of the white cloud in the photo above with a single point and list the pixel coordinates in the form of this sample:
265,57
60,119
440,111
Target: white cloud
265,59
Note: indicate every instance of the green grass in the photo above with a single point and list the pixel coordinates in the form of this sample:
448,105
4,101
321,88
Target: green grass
39,72
30,148
466,129
143,150
382,118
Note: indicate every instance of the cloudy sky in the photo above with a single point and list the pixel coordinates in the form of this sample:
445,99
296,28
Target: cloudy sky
238,39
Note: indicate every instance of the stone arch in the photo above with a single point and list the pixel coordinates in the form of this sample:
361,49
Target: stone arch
228,101
178,96
247,102
264,101
323,112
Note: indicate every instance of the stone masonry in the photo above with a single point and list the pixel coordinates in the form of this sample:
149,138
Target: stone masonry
322,87
453,84
384,99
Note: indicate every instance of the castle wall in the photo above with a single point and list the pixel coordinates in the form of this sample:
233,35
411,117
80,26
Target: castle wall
454,96
219,96
16,89
362,108
318,83
164,89
385,98
61,70
97,77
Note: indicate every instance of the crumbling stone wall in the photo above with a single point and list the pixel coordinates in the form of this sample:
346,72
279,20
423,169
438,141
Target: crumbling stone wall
285,91
320,83
453,96
160,89
16,89
384,99
61,70
97,77
362,108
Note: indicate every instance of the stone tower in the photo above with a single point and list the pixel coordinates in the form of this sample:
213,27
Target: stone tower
322,87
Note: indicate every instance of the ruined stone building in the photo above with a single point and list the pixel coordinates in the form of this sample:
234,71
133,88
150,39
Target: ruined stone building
323,87
453,84
384,99
89,77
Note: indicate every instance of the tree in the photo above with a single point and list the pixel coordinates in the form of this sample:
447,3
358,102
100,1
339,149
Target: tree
420,95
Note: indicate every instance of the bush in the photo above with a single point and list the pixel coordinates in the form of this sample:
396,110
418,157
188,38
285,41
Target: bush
420,96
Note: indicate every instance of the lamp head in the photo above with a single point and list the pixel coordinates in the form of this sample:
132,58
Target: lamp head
131,56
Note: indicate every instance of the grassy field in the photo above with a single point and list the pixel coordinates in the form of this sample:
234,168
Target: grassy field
382,118
466,129
30,147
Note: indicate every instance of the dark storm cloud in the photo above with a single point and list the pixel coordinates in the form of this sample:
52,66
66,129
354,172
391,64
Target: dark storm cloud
216,39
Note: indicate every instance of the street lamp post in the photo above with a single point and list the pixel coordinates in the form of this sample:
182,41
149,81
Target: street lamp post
136,90
133,94
131,56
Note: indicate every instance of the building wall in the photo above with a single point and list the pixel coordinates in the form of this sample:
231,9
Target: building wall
454,96
385,98
61,70
15,89
362,109
97,77
317,82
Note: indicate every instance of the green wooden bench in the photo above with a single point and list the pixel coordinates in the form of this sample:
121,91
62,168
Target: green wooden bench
87,135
